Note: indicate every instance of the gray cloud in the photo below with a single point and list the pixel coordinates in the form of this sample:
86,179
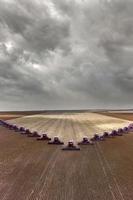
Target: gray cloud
66,54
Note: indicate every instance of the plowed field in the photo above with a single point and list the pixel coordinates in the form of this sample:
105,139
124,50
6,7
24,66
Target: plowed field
31,170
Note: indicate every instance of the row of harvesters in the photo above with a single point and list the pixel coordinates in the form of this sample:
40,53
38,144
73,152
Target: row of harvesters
71,145
42,137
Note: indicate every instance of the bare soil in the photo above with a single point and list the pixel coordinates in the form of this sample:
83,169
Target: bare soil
128,116
7,117
32,170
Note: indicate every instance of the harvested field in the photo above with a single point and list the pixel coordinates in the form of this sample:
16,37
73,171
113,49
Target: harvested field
127,116
10,116
69,126
31,170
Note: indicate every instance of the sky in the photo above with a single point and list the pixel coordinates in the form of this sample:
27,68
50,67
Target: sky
66,54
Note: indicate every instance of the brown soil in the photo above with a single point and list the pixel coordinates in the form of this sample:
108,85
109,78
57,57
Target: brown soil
128,116
7,117
17,114
35,170
32,170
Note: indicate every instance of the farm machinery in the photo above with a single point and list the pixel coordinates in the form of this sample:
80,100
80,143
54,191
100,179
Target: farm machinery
22,129
97,137
15,128
130,127
116,133
26,132
56,140
120,130
34,134
125,129
1,122
107,135
12,126
71,146
85,141
44,137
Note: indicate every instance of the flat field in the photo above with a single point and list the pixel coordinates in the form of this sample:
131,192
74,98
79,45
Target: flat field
69,126
9,116
127,116
31,170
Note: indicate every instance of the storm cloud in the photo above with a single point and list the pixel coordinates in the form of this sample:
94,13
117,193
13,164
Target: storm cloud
68,54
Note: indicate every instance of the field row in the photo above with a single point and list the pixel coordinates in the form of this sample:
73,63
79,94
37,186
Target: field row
31,170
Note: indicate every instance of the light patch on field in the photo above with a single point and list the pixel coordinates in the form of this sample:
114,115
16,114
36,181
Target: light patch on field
112,126
44,116
69,126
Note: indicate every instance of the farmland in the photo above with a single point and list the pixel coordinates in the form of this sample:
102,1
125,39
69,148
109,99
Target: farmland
32,170
127,116
69,126
9,116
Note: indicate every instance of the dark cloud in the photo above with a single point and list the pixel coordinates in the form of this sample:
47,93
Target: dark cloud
66,54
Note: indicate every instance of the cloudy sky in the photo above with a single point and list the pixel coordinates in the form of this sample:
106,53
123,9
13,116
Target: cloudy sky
66,54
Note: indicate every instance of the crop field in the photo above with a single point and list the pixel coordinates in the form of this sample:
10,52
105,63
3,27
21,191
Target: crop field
9,116
34,170
127,116
69,126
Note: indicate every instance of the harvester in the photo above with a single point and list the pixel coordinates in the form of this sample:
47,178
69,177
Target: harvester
1,122
113,133
34,134
97,137
71,146
11,126
125,129
26,132
107,135
5,124
56,140
22,129
43,137
120,130
85,141
15,128
130,127
116,133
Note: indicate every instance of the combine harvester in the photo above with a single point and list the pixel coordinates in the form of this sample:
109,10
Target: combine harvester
44,137
125,129
107,135
97,137
22,129
117,133
1,122
26,132
11,126
16,129
34,134
56,141
71,147
130,127
86,141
